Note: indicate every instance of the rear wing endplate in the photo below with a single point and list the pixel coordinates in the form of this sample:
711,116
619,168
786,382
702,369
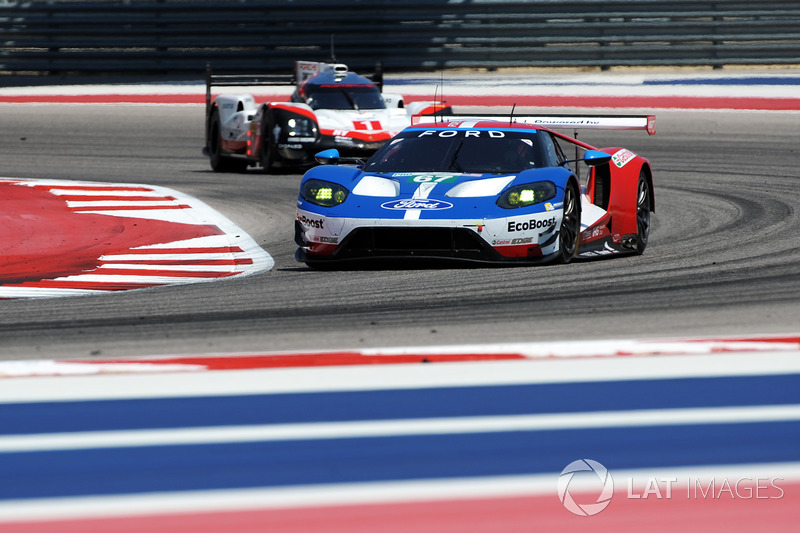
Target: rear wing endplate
576,122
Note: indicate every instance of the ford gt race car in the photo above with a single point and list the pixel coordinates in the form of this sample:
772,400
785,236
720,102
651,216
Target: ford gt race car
330,108
479,189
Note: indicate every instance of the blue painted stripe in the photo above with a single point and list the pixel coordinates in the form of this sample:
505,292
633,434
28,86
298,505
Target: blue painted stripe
56,417
273,464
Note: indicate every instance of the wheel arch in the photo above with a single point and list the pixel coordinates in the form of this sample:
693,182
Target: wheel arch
648,172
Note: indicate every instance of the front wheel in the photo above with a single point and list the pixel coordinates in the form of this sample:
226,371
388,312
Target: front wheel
570,230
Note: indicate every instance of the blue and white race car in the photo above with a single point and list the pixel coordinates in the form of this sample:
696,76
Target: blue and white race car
479,189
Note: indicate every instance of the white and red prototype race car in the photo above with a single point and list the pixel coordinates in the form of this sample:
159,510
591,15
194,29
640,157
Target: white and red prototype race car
331,107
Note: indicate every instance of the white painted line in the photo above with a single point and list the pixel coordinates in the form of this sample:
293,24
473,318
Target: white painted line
395,428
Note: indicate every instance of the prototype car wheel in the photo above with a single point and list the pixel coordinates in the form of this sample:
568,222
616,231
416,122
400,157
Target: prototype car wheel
268,149
220,163
570,230
643,202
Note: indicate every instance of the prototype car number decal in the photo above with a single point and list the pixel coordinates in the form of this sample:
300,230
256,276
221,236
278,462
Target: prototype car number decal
417,203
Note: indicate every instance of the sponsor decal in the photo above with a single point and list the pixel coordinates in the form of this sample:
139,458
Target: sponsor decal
465,133
328,240
552,207
518,240
311,222
417,203
531,224
567,122
622,157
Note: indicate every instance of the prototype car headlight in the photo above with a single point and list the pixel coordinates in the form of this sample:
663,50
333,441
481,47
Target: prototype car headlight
323,193
528,194
300,127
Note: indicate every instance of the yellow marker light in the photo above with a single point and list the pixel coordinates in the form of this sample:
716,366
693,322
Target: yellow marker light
513,198
325,193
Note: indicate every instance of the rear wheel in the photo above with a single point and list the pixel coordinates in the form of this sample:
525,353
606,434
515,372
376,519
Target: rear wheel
219,162
643,201
570,230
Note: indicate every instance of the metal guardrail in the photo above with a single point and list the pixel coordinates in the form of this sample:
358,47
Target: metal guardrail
179,37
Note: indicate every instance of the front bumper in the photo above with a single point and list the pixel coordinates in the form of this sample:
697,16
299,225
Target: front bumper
322,240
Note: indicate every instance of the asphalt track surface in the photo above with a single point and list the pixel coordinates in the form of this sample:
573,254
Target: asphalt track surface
722,260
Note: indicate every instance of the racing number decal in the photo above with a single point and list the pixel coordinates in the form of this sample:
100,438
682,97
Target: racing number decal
432,178
367,124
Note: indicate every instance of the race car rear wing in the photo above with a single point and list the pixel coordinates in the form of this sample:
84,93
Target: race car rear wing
576,122
303,70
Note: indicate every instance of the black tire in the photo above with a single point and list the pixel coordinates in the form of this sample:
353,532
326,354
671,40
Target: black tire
644,195
268,150
220,163
570,231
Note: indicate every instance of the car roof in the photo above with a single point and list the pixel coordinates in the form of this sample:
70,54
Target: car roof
330,78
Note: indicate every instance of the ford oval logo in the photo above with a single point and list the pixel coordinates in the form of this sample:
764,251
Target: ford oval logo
417,203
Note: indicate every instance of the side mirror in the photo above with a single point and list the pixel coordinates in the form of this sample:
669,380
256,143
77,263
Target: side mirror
331,157
595,157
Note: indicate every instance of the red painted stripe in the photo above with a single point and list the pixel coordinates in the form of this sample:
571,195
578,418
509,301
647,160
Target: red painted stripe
109,99
658,102
305,360
520,514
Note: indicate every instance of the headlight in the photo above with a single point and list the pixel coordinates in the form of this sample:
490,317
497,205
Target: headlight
528,194
300,127
323,193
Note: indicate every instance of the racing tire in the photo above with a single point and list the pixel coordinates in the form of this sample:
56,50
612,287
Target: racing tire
220,163
644,195
570,231
268,149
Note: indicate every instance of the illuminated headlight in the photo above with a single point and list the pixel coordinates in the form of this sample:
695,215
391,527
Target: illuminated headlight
323,193
526,195
300,127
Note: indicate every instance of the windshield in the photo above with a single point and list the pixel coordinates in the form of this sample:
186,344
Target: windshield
344,97
450,150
